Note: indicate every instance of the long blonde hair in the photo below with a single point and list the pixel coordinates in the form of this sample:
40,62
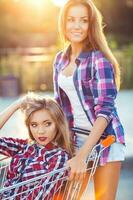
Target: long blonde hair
96,38
33,103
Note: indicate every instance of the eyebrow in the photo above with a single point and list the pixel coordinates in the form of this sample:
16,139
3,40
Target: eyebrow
75,17
48,120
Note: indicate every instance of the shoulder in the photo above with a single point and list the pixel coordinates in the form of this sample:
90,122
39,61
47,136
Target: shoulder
58,56
62,152
100,56
57,61
94,56
97,54
101,61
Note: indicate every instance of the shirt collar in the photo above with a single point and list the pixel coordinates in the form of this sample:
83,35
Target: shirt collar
48,146
83,55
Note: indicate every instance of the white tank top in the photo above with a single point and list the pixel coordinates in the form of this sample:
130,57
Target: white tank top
80,118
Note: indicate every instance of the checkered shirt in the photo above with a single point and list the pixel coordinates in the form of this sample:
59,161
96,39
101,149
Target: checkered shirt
31,160
96,89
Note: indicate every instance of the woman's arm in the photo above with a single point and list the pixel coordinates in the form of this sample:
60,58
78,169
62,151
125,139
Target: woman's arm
7,113
10,146
98,128
104,94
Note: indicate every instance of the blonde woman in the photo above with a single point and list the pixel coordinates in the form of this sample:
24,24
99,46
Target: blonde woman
86,83
47,148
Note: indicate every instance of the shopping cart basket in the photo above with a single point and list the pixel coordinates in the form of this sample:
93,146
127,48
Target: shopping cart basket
53,185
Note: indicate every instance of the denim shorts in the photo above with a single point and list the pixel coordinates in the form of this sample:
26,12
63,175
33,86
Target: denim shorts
117,150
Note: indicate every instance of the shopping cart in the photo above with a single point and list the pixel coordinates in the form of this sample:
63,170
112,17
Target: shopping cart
53,185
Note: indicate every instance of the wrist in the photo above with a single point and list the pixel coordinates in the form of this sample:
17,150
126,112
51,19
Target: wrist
16,105
82,154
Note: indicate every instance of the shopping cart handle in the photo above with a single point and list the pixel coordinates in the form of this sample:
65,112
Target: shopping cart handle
108,141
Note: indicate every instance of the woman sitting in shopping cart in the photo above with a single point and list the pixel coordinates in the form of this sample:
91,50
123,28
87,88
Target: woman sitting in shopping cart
47,149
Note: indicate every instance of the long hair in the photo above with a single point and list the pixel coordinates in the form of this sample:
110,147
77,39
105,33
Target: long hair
96,39
33,103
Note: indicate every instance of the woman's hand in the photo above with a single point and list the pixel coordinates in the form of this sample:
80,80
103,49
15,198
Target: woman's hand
78,167
17,104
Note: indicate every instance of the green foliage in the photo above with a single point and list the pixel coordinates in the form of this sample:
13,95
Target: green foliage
125,58
122,47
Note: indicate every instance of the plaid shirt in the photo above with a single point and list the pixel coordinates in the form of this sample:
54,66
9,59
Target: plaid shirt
96,89
31,160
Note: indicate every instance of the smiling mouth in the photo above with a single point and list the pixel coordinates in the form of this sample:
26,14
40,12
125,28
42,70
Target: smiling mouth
42,139
76,33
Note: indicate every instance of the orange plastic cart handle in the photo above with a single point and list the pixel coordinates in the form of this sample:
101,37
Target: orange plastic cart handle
108,141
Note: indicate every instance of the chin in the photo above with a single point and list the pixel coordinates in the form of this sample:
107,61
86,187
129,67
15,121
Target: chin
42,143
76,40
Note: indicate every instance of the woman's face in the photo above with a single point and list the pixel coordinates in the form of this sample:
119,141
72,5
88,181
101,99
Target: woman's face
77,24
42,127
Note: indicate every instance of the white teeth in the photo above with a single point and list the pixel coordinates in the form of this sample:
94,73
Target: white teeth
76,33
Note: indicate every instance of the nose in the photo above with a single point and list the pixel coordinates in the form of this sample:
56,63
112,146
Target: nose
41,130
77,25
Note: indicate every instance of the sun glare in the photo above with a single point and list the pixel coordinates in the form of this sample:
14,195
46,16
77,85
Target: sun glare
59,2
40,3
36,3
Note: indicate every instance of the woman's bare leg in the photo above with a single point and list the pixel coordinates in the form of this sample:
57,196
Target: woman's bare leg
106,181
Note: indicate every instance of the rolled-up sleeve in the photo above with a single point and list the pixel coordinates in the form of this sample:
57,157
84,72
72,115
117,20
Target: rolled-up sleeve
104,88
